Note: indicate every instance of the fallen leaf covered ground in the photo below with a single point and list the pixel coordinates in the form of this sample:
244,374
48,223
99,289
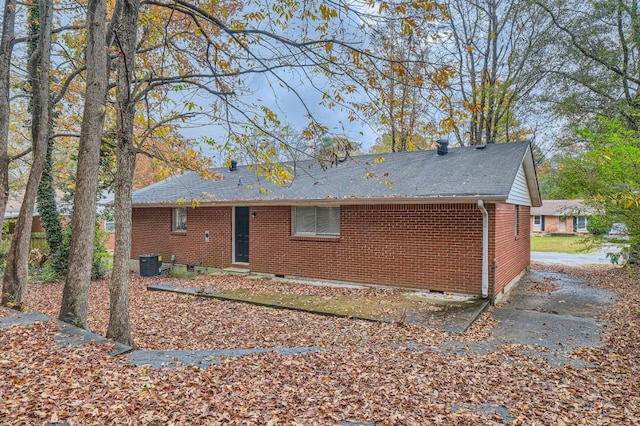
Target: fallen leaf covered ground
379,304
366,372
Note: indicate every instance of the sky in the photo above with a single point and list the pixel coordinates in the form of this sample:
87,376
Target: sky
290,111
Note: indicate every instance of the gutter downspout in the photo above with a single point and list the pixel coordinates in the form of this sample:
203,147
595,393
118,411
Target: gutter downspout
485,249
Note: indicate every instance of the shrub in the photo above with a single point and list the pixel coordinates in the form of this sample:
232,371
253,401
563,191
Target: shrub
43,274
101,257
598,225
37,257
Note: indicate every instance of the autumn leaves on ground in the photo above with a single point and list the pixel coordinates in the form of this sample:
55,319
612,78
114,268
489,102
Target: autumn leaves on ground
365,372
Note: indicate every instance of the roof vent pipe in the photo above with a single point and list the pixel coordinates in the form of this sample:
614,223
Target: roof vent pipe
443,146
234,166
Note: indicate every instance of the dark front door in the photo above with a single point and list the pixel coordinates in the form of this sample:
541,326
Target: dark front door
241,236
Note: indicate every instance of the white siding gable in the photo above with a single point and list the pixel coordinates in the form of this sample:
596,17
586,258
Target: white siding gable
519,193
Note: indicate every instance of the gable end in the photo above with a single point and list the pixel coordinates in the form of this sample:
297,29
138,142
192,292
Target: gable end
519,193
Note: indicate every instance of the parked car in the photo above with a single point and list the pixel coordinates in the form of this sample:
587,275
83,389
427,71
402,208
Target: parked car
618,230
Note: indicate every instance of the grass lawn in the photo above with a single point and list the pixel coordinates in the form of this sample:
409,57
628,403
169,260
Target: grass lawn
559,244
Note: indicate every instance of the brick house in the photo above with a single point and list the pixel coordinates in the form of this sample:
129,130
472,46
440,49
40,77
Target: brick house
12,211
455,221
561,217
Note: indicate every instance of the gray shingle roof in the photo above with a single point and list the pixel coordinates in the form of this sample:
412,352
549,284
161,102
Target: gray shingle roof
563,208
14,203
463,173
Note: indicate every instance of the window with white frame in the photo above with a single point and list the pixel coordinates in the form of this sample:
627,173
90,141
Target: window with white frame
581,224
179,219
320,221
537,223
110,226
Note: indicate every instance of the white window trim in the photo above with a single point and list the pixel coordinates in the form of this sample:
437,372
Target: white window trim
174,214
296,233
578,228
110,224
537,226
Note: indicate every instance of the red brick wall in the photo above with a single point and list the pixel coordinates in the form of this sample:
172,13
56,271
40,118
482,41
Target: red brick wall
511,252
431,246
435,247
110,241
36,225
109,237
552,225
152,234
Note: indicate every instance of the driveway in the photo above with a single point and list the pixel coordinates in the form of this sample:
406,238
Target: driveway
554,311
552,314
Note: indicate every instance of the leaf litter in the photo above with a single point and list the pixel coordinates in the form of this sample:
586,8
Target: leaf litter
366,373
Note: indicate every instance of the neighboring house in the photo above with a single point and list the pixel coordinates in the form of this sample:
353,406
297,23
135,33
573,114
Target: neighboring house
12,211
11,214
561,217
457,222
109,227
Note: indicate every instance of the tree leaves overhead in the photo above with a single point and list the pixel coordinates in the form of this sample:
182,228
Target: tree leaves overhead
607,175
595,88
203,63
597,71
403,101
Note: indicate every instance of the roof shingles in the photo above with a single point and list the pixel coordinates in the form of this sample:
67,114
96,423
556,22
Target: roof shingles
462,173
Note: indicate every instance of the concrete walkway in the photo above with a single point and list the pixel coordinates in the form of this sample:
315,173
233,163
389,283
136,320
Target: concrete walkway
203,358
570,259
68,335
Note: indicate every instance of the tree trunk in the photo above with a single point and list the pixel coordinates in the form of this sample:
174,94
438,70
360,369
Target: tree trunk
6,50
119,329
492,74
46,198
16,274
75,298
